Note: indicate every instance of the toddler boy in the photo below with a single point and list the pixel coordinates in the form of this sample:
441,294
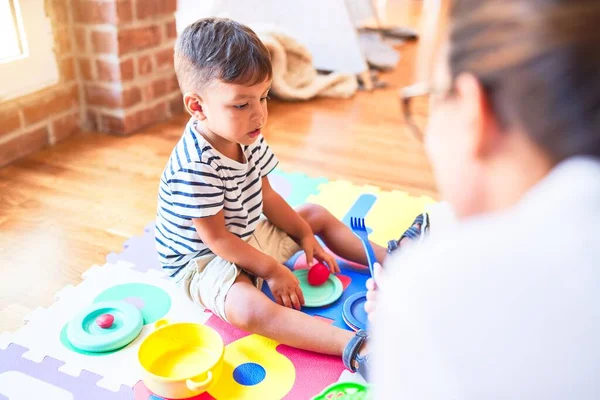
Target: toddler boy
221,229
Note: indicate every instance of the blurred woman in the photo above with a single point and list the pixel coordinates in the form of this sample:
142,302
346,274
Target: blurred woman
506,305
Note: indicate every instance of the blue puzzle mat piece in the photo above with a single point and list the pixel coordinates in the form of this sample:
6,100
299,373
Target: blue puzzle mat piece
334,310
359,209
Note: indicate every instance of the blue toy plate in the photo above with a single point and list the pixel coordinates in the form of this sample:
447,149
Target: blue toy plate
354,313
354,328
85,334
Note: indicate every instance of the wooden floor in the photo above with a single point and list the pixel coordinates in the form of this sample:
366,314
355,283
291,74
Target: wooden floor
64,209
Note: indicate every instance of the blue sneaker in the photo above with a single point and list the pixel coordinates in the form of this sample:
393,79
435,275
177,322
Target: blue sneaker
417,232
352,360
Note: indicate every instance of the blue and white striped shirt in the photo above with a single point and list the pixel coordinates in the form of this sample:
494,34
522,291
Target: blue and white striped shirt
198,182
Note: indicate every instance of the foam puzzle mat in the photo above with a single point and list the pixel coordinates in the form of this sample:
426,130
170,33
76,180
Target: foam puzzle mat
37,361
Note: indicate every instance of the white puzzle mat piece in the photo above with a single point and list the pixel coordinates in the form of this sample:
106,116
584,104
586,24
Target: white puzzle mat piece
41,335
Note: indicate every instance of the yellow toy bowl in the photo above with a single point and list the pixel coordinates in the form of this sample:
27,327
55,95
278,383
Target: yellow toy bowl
181,360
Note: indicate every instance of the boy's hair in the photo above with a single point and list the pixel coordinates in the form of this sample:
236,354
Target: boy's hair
219,48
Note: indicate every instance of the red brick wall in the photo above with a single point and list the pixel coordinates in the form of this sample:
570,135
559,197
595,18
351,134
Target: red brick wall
32,122
115,59
125,53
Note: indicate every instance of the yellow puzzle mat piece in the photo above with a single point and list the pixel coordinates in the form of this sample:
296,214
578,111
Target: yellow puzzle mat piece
391,214
280,372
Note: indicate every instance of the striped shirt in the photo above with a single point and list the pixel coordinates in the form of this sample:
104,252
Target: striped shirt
198,182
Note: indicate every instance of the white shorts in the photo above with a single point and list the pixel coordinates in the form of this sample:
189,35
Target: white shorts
207,279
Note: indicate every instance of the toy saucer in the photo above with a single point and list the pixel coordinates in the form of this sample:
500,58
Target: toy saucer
354,313
322,295
105,326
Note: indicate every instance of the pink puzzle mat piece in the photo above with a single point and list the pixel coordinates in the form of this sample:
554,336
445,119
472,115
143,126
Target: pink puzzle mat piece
314,372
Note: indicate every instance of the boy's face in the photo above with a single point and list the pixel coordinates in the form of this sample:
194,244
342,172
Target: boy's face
234,112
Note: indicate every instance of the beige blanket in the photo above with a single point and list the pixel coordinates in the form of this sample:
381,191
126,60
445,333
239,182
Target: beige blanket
295,78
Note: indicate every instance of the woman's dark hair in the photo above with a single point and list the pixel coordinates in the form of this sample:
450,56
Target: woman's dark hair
539,63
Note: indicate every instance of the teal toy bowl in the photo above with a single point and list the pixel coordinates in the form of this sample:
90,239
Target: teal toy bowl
105,326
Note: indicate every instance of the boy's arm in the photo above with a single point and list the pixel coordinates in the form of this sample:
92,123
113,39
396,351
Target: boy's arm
282,282
219,240
280,214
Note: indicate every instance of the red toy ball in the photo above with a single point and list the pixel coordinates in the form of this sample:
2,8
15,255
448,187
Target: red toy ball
318,274
105,321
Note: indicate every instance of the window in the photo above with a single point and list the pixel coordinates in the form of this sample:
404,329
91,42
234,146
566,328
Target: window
11,30
27,59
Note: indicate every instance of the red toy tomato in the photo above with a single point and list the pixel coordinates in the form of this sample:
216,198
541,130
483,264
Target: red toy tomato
318,274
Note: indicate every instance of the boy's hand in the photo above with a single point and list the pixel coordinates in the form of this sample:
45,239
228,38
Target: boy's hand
285,287
312,248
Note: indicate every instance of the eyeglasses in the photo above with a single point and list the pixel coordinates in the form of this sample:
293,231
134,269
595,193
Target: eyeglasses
415,103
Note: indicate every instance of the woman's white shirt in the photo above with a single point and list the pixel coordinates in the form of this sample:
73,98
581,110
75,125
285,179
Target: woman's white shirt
504,306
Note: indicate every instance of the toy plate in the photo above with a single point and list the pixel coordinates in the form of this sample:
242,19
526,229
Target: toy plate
84,333
322,295
354,313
